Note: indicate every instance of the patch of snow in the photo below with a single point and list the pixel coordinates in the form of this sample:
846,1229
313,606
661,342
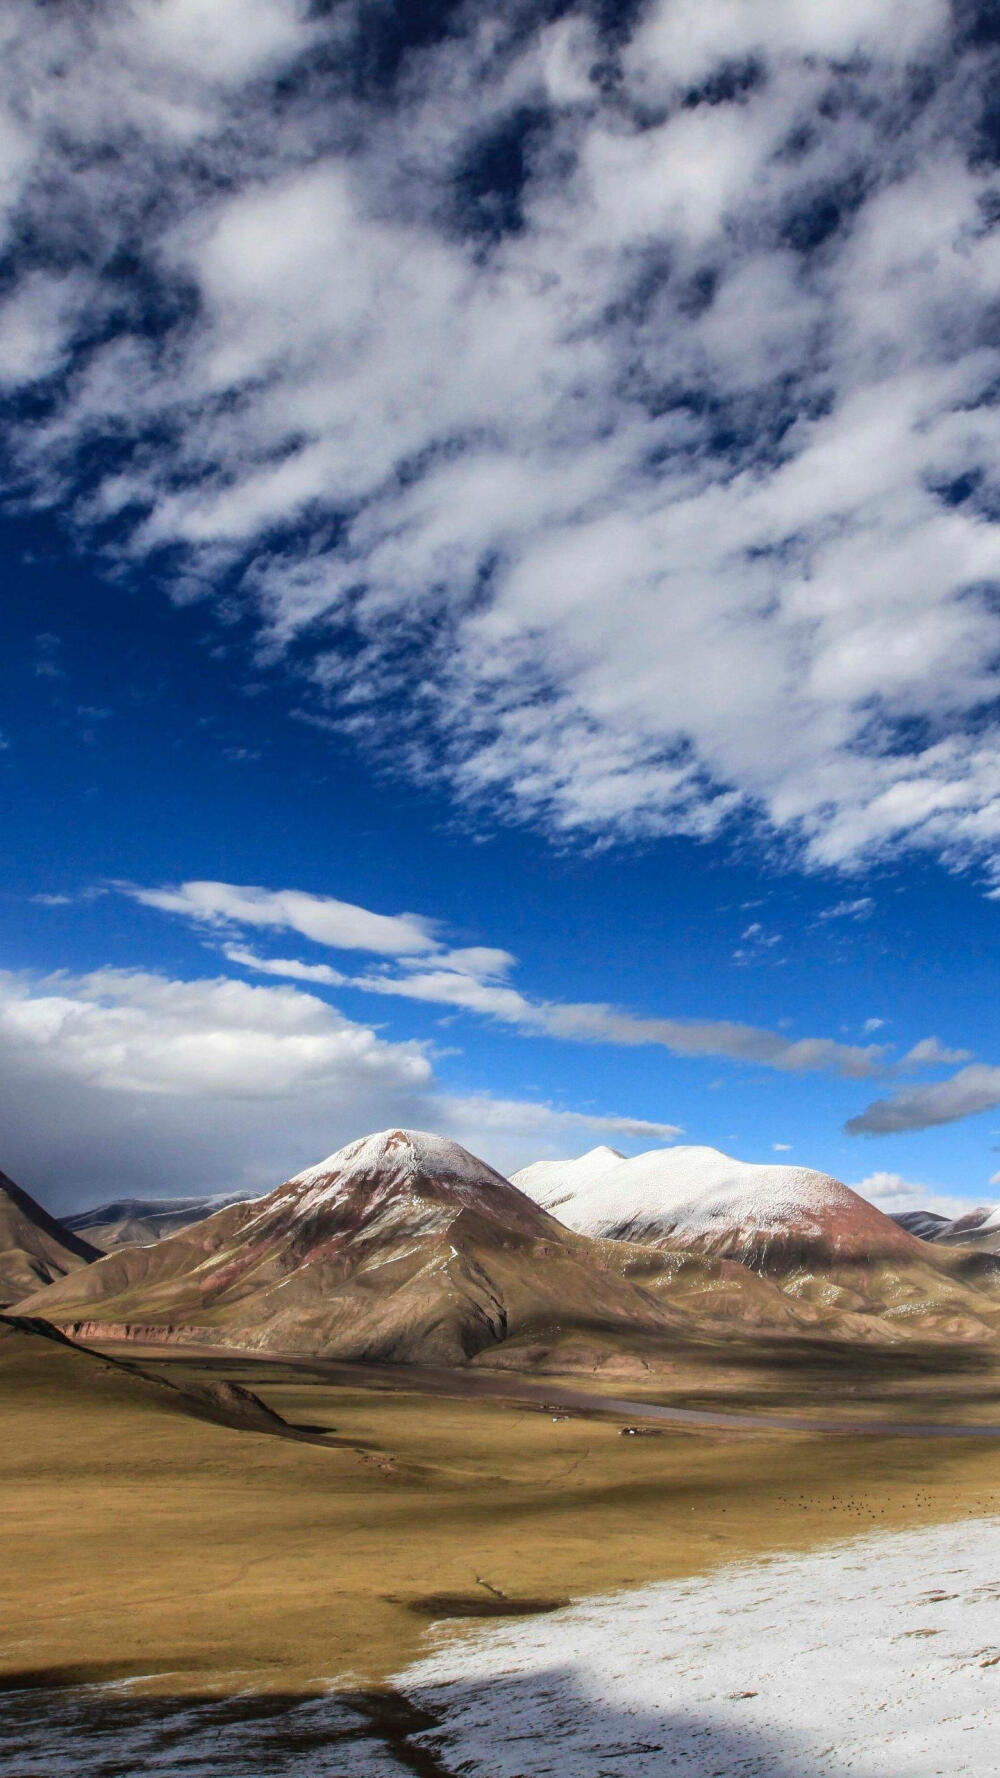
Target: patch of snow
880,1657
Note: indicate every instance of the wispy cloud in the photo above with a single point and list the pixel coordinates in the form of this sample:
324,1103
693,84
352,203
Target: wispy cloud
971,1090
473,978
591,482
322,918
860,908
476,978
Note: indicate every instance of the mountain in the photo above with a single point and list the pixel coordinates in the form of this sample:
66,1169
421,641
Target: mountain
130,1221
556,1182
926,1224
978,1229
764,1216
34,1247
818,1243
36,1357
402,1246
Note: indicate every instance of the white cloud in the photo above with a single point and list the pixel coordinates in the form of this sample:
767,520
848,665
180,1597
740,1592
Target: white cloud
860,908
121,1081
132,1031
507,1123
322,918
930,1052
698,456
585,1022
35,326
971,1090
894,1194
782,1147
473,978
290,968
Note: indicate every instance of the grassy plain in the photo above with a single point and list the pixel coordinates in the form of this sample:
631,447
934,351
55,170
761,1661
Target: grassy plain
138,1541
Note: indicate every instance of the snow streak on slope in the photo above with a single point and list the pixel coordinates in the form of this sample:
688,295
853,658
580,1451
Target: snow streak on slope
879,1658
699,1197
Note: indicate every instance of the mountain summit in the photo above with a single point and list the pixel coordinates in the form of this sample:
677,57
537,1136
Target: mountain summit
703,1200
401,1246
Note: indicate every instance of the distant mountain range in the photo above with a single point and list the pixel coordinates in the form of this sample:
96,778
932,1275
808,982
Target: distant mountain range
129,1221
405,1247
977,1228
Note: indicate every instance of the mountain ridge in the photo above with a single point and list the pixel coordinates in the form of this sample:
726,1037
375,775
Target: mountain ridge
35,1247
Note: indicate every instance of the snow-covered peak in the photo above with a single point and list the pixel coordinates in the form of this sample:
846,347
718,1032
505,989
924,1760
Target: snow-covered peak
551,1182
702,1197
402,1153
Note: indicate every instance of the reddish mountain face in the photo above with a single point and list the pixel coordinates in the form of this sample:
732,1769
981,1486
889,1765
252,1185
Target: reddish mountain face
34,1247
401,1246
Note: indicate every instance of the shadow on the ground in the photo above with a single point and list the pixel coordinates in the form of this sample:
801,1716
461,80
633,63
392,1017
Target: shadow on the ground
540,1726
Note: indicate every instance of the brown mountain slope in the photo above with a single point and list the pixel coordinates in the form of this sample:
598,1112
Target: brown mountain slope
400,1247
34,1247
36,1357
822,1244
403,1247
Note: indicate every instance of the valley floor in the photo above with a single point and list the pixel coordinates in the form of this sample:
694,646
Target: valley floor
211,1584
878,1657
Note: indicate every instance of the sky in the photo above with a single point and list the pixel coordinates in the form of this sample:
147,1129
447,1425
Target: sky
500,534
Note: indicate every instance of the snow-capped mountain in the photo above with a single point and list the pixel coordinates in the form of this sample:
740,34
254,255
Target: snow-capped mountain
400,1246
405,1247
702,1199
552,1183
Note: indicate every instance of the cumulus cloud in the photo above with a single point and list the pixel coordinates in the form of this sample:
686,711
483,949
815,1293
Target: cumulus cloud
125,1082
930,1052
971,1090
894,1194
605,409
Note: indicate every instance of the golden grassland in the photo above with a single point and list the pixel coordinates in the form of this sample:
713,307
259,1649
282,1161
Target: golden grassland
139,1541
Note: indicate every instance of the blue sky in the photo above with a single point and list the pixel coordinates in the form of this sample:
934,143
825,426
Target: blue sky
501,579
